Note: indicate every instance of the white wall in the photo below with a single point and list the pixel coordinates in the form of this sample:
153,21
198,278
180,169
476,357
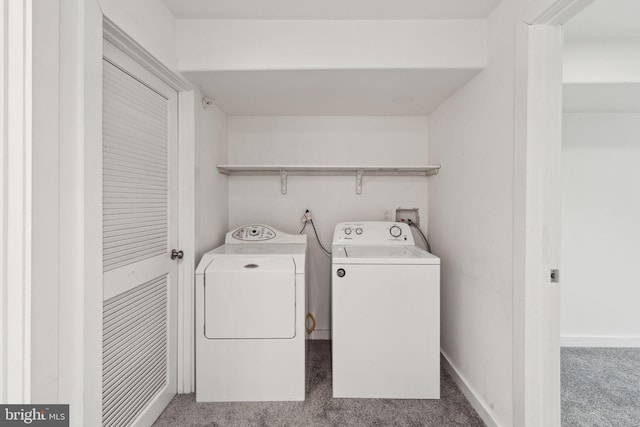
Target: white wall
324,141
79,319
329,44
471,221
600,230
45,212
604,60
211,210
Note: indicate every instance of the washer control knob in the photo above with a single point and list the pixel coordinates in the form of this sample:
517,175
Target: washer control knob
395,231
347,231
358,231
341,272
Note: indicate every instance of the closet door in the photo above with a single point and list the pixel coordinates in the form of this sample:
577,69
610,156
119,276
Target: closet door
139,232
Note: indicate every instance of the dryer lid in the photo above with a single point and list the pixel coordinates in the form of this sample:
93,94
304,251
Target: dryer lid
252,264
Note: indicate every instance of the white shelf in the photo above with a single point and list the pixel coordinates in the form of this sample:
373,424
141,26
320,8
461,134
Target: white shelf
358,171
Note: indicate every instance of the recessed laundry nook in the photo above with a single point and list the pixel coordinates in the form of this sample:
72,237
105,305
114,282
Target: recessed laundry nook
283,213
328,146
300,145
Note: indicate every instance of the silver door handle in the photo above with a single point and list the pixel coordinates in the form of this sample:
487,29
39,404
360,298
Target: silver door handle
176,254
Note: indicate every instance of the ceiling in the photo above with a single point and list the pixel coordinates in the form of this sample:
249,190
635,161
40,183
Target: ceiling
330,92
331,9
604,19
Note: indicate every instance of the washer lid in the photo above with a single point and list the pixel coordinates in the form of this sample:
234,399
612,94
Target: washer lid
383,255
263,249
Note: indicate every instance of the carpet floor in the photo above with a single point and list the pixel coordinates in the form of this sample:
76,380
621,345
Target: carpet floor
321,409
600,386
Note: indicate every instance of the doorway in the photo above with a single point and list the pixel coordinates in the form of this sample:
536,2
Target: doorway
599,331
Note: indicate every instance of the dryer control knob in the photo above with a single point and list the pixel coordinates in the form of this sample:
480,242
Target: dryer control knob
395,231
347,231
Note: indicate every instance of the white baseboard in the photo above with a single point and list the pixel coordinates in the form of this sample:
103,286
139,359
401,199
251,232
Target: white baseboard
474,399
599,341
320,334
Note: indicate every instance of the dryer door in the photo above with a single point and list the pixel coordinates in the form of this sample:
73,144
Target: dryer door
250,297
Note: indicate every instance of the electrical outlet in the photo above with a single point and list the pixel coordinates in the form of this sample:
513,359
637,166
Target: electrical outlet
406,215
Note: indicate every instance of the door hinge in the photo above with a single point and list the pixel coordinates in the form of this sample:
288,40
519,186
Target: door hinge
555,276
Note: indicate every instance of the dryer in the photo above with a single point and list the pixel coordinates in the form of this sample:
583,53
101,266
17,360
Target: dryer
385,301
250,317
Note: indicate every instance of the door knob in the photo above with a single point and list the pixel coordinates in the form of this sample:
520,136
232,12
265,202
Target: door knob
176,254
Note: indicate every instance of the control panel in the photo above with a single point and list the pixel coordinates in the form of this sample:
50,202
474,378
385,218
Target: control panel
258,234
372,233
254,233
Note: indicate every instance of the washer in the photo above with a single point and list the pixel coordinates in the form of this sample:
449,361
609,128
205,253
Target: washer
250,317
385,303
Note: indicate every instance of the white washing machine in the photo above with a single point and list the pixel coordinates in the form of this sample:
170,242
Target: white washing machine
250,317
385,300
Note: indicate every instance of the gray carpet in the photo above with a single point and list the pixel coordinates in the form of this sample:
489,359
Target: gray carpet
600,386
320,409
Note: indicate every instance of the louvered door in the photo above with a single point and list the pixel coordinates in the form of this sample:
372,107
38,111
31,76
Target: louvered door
139,231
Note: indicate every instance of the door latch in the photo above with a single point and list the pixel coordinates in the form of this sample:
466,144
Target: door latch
177,254
555,276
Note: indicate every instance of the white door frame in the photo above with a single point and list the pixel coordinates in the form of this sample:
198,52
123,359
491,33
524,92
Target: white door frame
15,204
538,134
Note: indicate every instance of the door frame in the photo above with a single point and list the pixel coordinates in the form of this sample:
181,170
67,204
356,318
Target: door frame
15,201
538,138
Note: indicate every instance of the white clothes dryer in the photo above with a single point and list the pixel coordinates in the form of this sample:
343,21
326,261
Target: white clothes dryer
385,301
250,317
